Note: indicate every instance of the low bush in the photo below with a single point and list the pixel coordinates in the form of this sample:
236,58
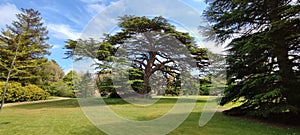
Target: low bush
171,90
61,89
18,93
204,90
35,93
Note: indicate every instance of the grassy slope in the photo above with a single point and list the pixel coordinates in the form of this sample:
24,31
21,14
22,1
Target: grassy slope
65,117
53,118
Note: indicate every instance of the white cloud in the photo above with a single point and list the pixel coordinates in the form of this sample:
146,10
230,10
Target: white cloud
55,47
63,31
198,0
295,1
7,14
66,71
91,1
95,8
97,1
171,9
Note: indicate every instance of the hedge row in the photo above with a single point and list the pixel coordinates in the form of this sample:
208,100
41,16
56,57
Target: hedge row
18,93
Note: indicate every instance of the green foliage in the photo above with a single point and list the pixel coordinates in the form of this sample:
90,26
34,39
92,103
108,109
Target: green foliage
206,86
153,46
83,48
50,74
86,87
67,86
18,93
174,85
72,79
263,57
106,87
61,89
173,91
204,90
136,80
29,35
35,93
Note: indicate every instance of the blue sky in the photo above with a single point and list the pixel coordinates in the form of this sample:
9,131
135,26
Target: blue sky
68,19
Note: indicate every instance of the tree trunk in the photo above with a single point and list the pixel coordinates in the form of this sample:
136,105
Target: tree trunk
288,78
280,51
148,72
4,91
7,78
146,84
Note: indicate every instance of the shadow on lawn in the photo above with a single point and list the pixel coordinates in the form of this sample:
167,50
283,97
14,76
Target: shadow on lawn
120,101
165,100
87,130
4,123
73,103
68,103
219,124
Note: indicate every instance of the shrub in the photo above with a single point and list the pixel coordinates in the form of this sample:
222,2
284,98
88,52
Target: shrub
204,89
171,90
61,89
17,93
35,93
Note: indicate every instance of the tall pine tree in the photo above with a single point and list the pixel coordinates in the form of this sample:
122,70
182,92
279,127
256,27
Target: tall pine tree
22,49
263,56
29,35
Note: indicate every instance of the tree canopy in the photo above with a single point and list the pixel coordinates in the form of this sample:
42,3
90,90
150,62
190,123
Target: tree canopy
22,49
51,72
146,44
26,38
263,56
86,87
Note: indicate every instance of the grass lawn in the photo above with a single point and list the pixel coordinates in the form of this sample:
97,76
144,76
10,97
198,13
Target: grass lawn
65,117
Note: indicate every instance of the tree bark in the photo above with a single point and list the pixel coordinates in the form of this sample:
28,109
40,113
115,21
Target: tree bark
148,72
7,79
281,49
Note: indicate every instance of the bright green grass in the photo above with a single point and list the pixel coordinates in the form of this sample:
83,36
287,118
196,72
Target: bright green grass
65,117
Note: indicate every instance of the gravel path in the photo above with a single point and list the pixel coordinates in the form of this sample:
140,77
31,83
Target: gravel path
33,102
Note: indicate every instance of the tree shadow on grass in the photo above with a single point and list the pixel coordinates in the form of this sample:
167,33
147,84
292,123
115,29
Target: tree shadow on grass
219,124
4,123
73,103
87,130
164,100
68,103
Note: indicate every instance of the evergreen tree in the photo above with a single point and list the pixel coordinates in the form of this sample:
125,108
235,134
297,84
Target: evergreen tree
50,73
105,86
22,49
151,45
72,79
26,38
263,56
86,87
